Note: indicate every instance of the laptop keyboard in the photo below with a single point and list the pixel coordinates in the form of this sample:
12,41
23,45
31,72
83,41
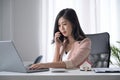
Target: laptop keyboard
37,70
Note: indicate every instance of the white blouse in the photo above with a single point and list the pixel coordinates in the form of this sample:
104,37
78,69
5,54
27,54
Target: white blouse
65,56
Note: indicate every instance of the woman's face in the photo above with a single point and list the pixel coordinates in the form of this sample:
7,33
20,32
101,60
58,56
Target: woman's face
65,27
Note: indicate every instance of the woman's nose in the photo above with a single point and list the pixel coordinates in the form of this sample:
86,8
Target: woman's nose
62,28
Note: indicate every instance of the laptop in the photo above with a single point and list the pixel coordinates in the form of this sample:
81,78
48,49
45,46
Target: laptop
107,70
11,61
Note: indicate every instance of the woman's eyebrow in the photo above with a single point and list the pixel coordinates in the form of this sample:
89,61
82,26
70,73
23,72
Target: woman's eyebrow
61,22
64,21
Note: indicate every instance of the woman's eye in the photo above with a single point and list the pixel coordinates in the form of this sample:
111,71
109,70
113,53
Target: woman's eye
64,24
58,25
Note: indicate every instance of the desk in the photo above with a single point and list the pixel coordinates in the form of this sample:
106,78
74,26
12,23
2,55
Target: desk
69,75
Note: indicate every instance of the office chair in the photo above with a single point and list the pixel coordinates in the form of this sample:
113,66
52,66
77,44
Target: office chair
100,50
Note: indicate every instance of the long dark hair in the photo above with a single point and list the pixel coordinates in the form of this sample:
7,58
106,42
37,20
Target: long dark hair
71,16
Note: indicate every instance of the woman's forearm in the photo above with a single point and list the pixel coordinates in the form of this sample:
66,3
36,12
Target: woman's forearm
56,54
53,65
48,65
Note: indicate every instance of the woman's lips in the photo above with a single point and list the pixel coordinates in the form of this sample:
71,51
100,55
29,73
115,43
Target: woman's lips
64,32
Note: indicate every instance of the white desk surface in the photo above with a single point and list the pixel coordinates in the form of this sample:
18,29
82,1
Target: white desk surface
75,74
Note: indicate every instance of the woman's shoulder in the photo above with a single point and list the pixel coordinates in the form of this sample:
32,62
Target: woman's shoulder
84,40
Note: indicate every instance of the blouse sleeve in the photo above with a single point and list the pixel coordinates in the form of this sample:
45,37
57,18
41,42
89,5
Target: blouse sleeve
79,53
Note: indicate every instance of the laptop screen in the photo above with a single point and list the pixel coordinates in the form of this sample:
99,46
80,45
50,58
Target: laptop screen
9,58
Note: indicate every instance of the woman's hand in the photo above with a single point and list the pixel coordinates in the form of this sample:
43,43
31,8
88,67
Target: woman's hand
57,40
36,66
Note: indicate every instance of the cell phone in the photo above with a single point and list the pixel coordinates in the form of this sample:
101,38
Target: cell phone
61,38
38,59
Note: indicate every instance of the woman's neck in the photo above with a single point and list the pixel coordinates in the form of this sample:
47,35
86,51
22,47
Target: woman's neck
71,40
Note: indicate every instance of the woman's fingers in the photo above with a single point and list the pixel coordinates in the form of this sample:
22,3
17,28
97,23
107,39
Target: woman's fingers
34,66
57,34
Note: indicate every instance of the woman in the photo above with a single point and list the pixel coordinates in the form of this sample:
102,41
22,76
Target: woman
72,47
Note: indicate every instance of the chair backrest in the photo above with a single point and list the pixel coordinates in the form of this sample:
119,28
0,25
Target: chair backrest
100,49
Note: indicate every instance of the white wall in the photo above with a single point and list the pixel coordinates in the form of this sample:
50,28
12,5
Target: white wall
0,19
82,8
6,20
26,27
21,23
118,17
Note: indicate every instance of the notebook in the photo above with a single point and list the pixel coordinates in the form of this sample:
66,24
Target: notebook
107,70
11,61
